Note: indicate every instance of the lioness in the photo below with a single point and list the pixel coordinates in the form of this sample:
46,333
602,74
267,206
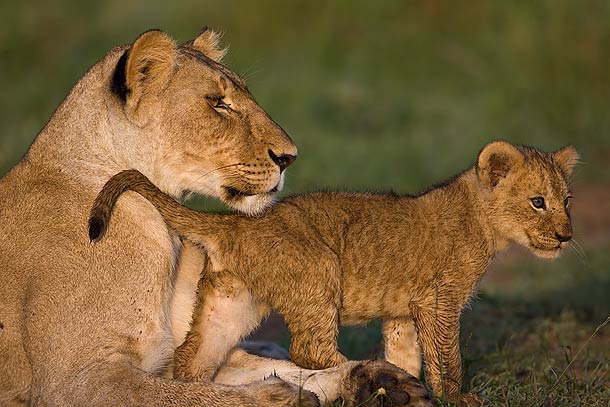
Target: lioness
414,261
97,326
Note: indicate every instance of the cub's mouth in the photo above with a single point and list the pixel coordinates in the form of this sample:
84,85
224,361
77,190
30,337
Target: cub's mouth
544,247
546,251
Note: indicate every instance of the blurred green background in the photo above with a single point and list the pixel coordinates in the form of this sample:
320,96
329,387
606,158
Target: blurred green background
377,94
395,95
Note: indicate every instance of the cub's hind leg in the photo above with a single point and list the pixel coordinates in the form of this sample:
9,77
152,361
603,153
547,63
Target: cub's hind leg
312,313
401,346
313,342
225,313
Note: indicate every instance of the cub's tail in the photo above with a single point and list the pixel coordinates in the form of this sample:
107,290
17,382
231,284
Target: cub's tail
186,222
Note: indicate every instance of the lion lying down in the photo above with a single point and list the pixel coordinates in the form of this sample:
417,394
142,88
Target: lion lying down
322,259
97,326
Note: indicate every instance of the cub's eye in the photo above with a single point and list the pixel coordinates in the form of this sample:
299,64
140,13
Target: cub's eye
217,103
538,202
566,202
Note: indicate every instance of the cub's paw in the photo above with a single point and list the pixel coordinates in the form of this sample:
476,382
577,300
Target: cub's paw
379,383
278,393
471,400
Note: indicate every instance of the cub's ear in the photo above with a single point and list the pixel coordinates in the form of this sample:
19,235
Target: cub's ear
566,158
496,161
208,43
147,67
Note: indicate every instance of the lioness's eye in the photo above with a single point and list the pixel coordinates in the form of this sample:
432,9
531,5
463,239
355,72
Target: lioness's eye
566,202
217,103
538,202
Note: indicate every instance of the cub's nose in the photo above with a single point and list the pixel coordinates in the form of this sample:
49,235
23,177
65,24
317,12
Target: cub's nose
282,161
563,238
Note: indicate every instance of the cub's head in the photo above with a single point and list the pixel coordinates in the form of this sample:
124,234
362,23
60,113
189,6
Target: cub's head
191,125
528,194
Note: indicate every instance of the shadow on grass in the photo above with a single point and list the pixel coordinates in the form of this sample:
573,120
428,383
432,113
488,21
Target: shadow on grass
544,348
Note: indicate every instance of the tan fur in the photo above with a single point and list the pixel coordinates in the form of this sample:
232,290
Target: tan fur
98,326
414,262
147,72
208,42
92,326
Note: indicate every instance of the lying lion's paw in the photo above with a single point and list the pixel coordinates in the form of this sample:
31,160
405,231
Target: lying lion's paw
377,383
278,393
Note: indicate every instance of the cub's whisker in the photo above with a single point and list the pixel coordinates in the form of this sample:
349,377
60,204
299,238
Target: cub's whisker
576,246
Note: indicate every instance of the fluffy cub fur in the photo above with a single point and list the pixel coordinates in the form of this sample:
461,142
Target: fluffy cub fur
414,261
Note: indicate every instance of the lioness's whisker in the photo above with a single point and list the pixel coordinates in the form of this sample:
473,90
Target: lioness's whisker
218,169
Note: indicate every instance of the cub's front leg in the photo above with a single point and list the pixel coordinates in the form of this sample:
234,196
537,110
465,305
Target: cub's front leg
401,346
438,331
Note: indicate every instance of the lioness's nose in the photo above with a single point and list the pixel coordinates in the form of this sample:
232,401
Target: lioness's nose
282,161
563,237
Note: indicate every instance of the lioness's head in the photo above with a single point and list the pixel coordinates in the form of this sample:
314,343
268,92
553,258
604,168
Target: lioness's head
191,125
529,195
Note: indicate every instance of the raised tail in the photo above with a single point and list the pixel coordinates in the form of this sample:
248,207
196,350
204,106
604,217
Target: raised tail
186,222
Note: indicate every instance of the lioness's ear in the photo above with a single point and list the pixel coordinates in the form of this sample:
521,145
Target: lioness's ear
149,66
496,161
208,43
566,158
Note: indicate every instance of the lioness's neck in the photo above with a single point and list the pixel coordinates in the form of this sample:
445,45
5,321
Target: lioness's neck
80,139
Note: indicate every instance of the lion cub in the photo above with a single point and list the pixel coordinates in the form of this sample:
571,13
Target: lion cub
326,258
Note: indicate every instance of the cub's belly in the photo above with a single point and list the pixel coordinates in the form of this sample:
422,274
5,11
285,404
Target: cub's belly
364,302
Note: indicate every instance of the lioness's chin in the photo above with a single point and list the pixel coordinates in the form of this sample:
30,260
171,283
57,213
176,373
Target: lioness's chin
252,204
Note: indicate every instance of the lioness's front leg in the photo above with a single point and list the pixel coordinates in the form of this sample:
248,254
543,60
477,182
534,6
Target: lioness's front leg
401,346
358,383
438,331
225,313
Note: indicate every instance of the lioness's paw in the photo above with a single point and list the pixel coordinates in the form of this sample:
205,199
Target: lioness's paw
377,383
278,393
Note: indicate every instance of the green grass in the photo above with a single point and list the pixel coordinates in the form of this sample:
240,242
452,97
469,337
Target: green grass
391,95
544,341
